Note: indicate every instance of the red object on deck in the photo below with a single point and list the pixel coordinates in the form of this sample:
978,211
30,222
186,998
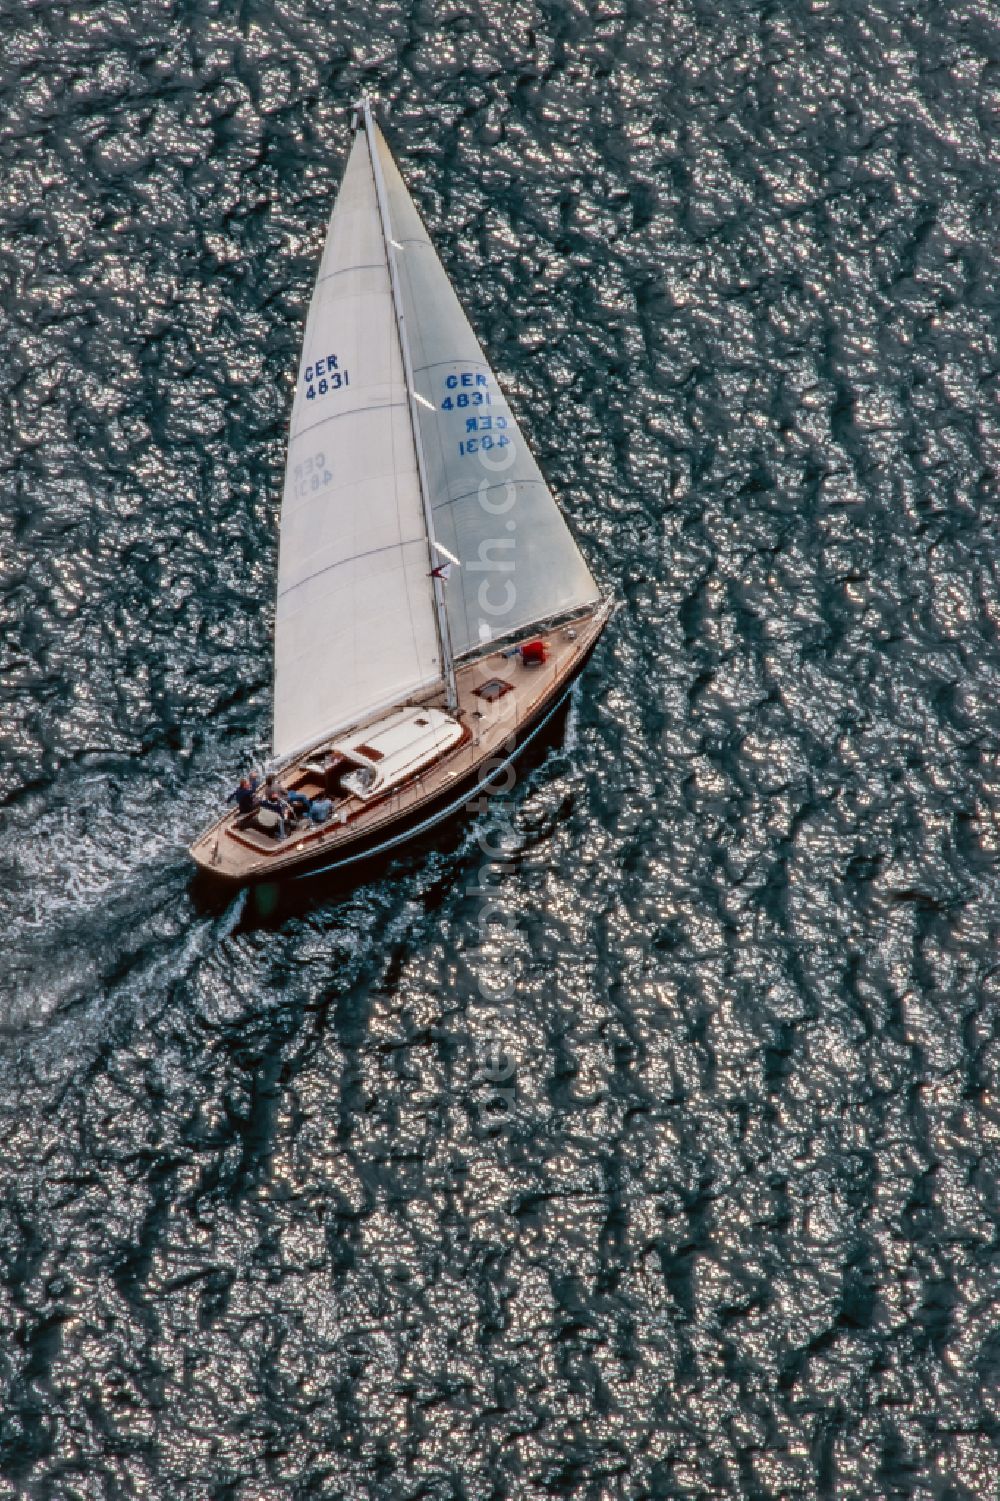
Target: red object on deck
533,653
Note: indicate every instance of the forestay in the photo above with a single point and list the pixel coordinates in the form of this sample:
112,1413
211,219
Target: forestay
354,628
491,507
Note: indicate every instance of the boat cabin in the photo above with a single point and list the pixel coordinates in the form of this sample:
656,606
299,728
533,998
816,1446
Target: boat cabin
394,749
360,768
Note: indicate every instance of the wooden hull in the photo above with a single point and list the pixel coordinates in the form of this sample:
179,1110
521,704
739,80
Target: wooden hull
497,732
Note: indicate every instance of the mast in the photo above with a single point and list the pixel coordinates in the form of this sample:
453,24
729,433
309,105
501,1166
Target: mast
443,629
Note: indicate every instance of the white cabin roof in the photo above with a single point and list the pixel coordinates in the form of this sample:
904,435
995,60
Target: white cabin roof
398,746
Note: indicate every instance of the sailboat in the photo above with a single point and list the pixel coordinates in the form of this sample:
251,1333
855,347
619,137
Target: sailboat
433,609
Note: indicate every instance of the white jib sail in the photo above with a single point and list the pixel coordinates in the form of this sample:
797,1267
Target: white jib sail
354,627
490,504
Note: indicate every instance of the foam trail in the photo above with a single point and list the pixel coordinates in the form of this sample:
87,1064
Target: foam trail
572,736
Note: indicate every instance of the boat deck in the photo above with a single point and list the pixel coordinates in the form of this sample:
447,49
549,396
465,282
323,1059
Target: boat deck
499,696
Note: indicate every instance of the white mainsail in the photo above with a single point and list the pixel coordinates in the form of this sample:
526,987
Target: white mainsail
490,504
354,626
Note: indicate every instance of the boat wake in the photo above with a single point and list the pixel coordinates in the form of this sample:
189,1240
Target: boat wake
78,869
571,738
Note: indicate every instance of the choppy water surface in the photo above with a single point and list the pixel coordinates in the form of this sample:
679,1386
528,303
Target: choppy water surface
737,265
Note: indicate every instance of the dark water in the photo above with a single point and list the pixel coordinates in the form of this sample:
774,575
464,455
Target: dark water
266,1229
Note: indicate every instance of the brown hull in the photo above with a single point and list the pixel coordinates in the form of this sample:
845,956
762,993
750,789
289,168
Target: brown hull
495,733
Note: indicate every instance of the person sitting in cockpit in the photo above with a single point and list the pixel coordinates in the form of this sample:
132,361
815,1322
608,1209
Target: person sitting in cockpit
275,800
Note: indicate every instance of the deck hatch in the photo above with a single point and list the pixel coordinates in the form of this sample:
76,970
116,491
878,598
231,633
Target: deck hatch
493,689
